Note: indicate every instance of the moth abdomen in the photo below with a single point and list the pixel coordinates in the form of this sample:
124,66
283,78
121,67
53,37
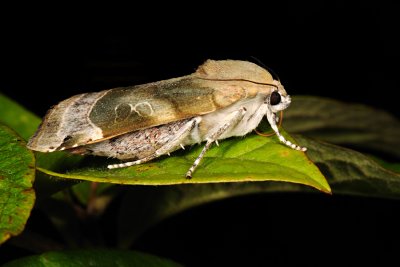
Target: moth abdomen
135,145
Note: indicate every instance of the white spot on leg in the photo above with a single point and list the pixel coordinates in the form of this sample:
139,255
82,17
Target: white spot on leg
290,144
123,165
182,146
189,174
216,142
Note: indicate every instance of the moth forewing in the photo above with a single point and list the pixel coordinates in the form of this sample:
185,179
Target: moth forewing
66,125
221,99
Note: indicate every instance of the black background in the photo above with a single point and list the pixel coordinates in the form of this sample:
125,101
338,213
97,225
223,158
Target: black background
343,50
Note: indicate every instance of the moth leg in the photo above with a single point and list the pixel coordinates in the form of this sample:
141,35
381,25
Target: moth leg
165,149
236,118
272,119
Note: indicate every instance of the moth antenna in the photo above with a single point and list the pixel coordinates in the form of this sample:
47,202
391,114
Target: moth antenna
272,132
274,74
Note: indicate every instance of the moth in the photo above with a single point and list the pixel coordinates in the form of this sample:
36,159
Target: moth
139,123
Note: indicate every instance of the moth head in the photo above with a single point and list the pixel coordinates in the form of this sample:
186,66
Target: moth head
278,100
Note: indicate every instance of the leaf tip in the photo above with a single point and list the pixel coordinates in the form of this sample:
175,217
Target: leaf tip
325,188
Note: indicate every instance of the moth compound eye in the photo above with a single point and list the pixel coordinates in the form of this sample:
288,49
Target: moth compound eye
275,98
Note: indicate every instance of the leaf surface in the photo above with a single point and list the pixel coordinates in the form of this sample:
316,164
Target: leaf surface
17,173
358,126
252,158
347,171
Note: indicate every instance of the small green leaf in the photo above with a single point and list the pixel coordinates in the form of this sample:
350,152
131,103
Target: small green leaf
252,158
357,125
17,173
25,124
93,258
85,190
17,117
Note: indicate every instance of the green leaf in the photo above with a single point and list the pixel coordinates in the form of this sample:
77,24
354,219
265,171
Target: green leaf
94,258
347,171
17,173
357,125
25,124
395,167
253,158
350,172
17,117
85,190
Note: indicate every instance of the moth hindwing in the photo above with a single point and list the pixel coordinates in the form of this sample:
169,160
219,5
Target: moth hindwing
139,123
